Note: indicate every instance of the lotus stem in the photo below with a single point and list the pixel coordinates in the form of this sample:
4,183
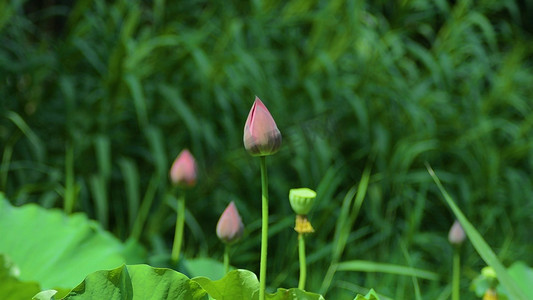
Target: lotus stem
264,229
226,259
456,274
178,236
303,267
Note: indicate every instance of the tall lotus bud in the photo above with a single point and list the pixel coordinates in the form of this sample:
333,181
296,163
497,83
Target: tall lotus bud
229,226
183,170
456,236
261,134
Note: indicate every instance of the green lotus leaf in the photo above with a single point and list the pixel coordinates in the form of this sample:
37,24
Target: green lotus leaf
237,284
10,287
371,295
57,250
140,282
204,266
523,275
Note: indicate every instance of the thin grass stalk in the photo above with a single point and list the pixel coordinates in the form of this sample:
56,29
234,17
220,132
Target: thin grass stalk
145,208
70,192
344,224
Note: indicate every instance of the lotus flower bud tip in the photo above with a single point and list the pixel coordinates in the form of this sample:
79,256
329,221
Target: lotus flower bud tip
183,170
456,236
229,226
261,134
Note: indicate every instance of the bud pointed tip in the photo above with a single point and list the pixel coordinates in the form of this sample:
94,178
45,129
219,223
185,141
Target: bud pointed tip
183,170
261,134
230,227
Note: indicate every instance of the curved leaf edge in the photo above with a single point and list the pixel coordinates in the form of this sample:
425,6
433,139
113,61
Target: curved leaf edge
244,282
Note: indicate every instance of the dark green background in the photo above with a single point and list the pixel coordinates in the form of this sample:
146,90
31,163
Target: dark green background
124,87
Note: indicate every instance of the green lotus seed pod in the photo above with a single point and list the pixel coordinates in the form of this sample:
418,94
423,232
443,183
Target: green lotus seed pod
489,272
302,200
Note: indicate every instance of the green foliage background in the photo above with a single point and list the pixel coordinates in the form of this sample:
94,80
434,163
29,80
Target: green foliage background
98,98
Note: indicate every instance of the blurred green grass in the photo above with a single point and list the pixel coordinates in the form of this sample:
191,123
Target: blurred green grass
98,98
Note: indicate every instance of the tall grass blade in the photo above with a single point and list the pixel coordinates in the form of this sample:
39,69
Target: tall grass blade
156,143
35,142
482,248
347,227
370,266
139,100
145,207
99,192
130,173
6,160
102,146
70,188
416,286
345,224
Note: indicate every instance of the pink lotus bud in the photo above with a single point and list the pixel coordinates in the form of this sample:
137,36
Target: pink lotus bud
261,135
183,170
229,226
456,236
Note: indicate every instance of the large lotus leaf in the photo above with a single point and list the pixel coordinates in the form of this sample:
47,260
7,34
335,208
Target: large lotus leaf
10,287
243,284
237,284
523,275
204,266
57,250
140,282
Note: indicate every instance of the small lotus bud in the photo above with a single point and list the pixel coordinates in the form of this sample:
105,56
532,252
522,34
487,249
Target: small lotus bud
302,200
261,134
229,226
456,236
489,273
183,170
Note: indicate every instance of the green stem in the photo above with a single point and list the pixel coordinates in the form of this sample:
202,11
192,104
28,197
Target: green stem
264,229
303,267
145,208
70,192
226,259
178,236
456,274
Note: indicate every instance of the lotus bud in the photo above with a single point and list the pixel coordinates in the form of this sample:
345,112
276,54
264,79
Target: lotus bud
183,170
261,134
489,273
456,236
229,226
302,200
